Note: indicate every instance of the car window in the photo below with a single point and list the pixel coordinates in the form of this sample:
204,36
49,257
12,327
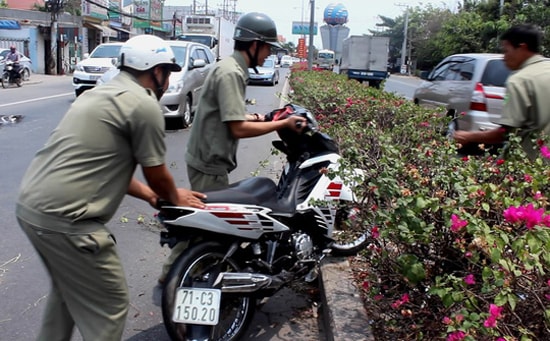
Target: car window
495,73
440,71
453,72
106,51
269,63
200,54
179,54
466,70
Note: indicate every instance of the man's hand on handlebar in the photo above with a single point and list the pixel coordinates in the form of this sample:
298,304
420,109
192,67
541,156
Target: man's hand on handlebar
296,123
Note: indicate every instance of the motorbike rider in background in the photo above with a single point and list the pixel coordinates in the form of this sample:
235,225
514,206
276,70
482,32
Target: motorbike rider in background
14,57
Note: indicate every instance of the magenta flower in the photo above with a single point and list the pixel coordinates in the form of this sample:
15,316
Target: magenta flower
528,215
494,313
456,336
528,178
457,223
545,152
470,279
375,232
447,320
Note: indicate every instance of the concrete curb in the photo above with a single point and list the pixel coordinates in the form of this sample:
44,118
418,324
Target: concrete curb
344,315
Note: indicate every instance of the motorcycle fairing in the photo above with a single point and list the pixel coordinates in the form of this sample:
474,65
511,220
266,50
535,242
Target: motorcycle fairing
243,221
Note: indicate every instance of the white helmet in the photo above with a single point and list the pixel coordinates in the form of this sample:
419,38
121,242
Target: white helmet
146,51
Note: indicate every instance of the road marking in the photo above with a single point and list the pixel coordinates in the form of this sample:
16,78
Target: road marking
36,99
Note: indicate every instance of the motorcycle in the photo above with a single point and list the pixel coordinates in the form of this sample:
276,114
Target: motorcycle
258,236
11,75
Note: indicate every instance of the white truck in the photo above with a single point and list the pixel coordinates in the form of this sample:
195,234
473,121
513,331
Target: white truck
365,58
213,31
325,59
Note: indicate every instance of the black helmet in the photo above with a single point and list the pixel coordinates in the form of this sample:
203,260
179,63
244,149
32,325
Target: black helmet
256,26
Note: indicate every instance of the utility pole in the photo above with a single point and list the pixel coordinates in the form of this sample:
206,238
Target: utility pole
54,7
404,63
311,28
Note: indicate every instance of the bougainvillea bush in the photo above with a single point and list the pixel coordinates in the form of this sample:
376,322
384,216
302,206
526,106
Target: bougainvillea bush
460,245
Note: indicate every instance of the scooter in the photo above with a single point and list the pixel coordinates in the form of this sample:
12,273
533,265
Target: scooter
11,74
257,236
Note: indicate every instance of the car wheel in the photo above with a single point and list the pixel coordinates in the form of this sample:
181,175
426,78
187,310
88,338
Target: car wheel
187,115
26,74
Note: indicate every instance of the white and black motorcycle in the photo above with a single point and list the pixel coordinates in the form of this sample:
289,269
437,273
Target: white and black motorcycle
257,236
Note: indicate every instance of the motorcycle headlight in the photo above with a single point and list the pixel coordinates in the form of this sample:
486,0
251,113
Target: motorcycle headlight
175,87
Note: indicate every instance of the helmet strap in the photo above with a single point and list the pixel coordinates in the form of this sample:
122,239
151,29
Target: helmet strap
159,86
254,58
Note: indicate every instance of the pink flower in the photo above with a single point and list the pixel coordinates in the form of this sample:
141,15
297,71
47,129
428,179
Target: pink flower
528,178
447,320
404,299
528,215
465,158
538,195
500,162
470,279
468,254
374,232
490,322
494,313
456,336
457,223
366,285
545,152
548,282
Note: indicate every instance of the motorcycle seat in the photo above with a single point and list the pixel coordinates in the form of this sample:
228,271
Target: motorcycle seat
252,191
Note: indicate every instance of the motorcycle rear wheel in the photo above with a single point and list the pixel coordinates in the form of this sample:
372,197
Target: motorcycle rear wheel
199,266
349,232
18,81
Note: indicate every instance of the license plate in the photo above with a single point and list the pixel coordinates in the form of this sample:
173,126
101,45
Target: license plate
197,306
94,77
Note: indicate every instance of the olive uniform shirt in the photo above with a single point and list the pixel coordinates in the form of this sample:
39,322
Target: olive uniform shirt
84,170
211,148
527,104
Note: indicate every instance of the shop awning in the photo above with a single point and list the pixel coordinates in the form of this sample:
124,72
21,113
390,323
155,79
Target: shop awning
120,29
10,25
107,31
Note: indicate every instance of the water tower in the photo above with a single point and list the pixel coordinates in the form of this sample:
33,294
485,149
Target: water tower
335,31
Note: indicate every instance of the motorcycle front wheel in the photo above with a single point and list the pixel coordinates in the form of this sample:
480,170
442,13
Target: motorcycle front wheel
5,80
198,267
349,234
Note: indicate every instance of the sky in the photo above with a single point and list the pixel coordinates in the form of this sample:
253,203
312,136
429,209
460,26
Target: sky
362,14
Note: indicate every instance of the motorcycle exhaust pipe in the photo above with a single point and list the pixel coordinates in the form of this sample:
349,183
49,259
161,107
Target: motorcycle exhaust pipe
245,282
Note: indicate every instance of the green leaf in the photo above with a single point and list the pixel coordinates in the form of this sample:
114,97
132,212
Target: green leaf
486,207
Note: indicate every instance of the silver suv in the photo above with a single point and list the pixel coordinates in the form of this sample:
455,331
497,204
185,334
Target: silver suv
179,102
102,59
470,86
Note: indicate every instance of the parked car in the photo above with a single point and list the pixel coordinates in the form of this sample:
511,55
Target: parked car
470,86
86,73
287,61
24,62
180,99
267,73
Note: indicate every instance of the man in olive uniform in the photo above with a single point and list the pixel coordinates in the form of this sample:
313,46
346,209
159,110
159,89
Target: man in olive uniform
76,182
221,118
527,104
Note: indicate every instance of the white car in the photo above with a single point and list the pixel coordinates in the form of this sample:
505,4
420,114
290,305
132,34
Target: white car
180,99
102,59
287,61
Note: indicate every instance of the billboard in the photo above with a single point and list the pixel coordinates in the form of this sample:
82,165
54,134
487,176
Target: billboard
302,28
